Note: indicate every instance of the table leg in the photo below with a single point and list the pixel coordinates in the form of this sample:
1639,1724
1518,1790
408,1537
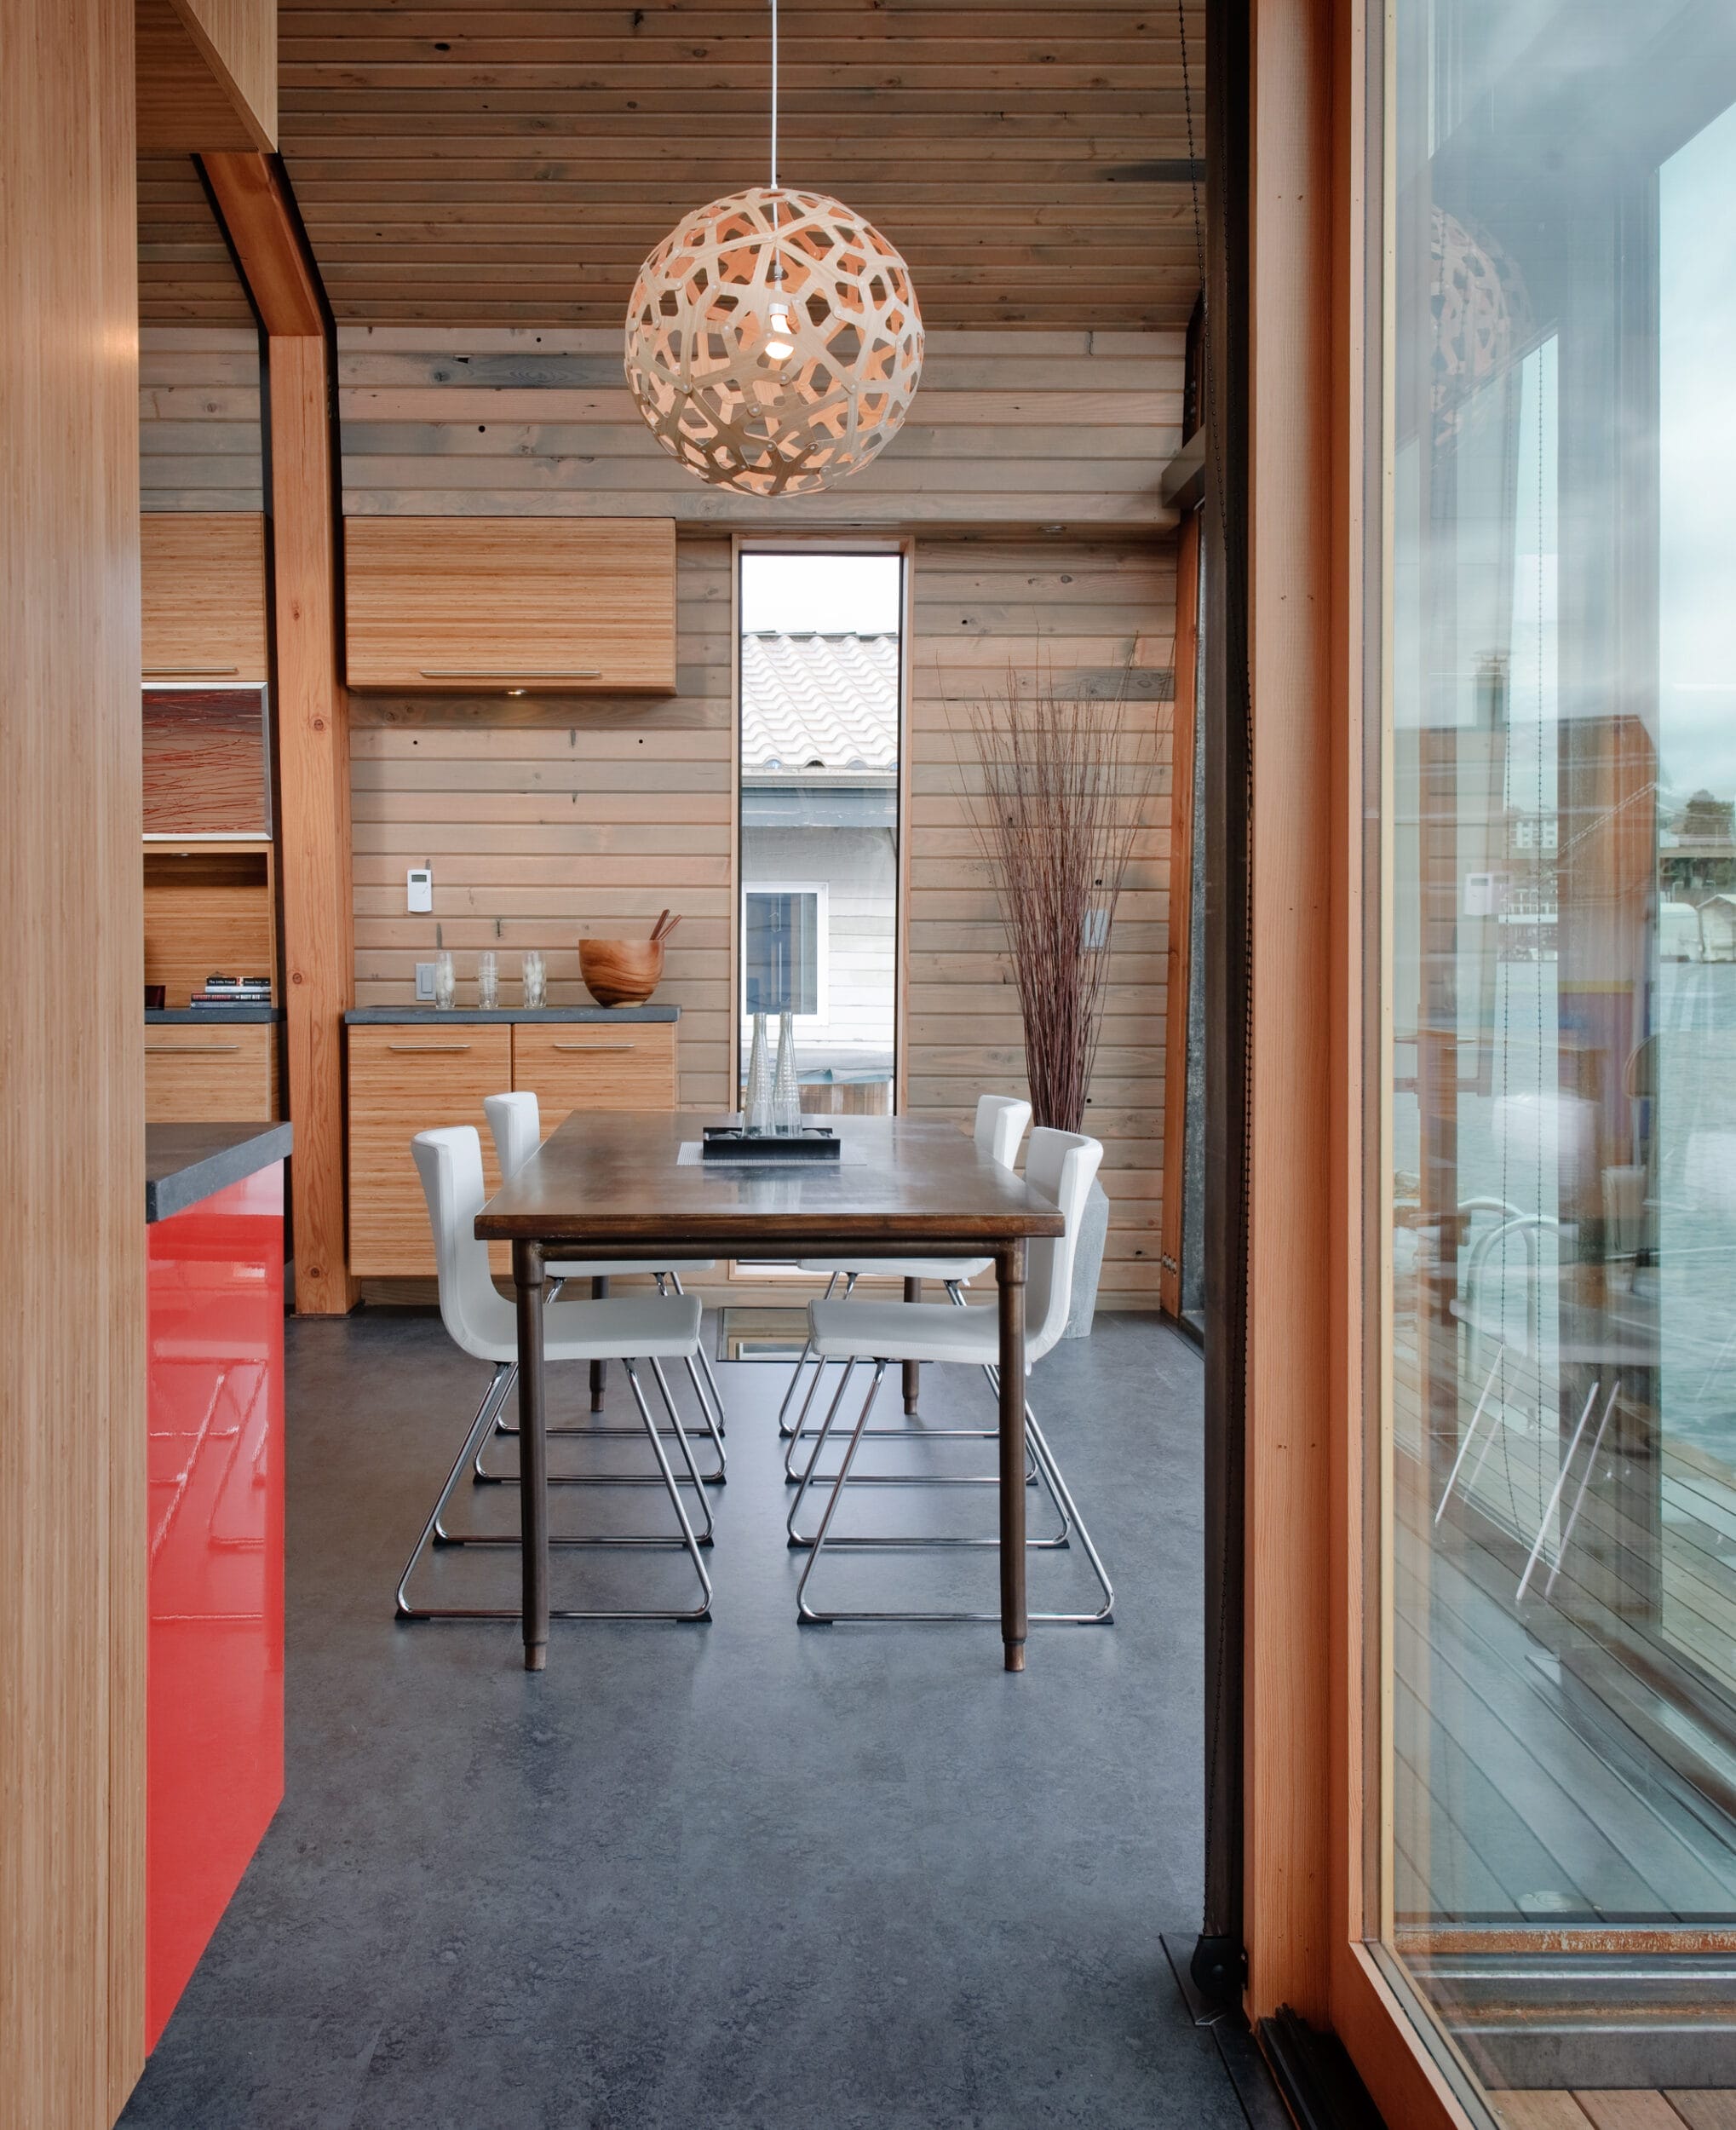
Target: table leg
533,1453
599,1369
912,1369
1009,1270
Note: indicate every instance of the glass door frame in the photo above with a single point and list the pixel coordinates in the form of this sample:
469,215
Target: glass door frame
1314,1794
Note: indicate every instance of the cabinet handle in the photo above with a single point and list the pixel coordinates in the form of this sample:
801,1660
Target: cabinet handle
190,1050
427,1049
187,672
594,1046
526,673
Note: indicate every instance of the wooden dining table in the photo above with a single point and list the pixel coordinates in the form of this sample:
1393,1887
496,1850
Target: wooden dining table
615,1185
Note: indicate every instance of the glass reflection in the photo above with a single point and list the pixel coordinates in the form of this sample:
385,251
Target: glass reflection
1560,1880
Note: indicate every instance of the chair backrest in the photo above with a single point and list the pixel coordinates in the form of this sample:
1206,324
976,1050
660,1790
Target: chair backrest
477,1318
1062,1166
1000,1125
516,1123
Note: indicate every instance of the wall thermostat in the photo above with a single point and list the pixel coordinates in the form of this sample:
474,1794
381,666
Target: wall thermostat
421,889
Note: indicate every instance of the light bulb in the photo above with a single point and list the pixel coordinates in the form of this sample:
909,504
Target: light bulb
782,343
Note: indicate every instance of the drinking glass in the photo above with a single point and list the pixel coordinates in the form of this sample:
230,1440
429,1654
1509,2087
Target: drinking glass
536,982
487,982
445,981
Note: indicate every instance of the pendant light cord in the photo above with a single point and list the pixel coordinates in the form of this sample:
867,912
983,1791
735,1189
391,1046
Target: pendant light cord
774,95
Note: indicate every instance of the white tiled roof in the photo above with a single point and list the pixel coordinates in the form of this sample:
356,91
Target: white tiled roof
824,702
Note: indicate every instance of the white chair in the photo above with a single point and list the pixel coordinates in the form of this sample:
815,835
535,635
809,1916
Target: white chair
483,1323
515,1123
1000,1126
1061,1165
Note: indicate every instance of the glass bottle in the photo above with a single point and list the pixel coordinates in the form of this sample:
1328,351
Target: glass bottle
786,1088
487,982
758,1117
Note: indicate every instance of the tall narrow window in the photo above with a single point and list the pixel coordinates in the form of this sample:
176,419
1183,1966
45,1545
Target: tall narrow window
820,725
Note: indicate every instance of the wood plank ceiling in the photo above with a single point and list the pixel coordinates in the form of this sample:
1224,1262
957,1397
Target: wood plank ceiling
513,163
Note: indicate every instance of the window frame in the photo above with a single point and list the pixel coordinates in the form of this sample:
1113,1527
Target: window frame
806,1023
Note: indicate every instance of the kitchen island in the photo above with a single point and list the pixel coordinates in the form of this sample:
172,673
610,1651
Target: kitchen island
214,1205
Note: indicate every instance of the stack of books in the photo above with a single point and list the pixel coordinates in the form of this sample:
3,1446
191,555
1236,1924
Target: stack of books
224,994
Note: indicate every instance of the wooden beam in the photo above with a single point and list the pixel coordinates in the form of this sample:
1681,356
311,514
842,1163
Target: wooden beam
312,708
1180,959
281,277
207,74
73,1447
312,717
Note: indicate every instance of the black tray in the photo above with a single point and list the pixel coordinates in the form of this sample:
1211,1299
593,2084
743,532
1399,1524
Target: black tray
732,1142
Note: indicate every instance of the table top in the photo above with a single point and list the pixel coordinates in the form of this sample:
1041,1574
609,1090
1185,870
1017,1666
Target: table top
610,1178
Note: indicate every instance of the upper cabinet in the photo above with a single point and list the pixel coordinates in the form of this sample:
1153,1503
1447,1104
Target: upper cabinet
203,582
558,605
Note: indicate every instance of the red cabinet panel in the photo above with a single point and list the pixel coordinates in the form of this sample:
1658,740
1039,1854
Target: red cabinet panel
215,1723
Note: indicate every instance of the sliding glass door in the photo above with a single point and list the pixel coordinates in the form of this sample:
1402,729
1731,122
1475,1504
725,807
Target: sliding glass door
1555,966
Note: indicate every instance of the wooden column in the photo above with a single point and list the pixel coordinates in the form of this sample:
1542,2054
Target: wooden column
314,838
313,711
1293,862
72,1430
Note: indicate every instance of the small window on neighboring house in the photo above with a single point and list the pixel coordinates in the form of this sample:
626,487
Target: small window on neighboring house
784,948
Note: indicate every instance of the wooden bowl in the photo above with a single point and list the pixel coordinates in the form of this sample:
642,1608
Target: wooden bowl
620,972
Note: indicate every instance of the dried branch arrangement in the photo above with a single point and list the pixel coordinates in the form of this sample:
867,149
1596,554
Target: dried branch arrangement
1064,787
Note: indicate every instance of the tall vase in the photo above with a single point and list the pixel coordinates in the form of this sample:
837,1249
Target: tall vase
786,1088
758,1114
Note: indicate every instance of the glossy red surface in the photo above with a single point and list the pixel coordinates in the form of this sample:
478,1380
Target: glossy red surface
215,1721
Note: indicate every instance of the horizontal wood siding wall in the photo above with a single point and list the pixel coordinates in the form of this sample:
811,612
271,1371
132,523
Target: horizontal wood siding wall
1007,428
542,818
198,419
1086,607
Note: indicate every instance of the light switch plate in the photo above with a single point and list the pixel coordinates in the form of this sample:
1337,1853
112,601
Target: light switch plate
421,890
424,981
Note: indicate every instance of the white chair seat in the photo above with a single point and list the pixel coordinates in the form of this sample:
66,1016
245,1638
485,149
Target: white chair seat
904,1331
623,1268
942,1269
651,1326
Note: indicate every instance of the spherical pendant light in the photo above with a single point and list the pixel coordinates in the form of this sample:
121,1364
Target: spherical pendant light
774,342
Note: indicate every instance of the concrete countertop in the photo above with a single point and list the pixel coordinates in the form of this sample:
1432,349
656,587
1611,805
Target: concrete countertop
213,1018
187,1162
469,1017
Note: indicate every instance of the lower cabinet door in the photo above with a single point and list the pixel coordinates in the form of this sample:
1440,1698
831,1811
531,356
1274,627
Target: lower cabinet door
402,1081
591,1065
196,1075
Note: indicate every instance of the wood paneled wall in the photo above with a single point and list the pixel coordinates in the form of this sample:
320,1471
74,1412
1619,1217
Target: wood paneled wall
541,822
541,819
200,446
544,816
72,1438
1008,427
1086,608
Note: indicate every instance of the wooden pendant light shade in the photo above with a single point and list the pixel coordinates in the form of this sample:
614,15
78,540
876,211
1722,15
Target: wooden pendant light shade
774,342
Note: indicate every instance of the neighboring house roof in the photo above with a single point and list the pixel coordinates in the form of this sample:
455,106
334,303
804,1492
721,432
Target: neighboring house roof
818,702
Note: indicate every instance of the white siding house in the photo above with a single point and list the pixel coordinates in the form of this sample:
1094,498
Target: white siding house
819,717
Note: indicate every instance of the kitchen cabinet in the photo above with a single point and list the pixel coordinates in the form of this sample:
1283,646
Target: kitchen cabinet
203,595
204,1068
539,605
418,1072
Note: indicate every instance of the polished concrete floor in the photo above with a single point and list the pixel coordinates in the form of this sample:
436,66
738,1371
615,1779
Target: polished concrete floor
725,1875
